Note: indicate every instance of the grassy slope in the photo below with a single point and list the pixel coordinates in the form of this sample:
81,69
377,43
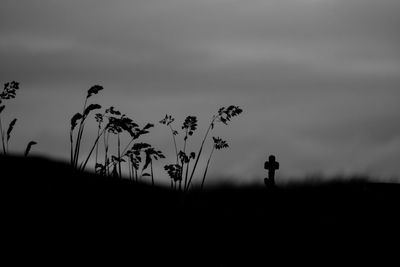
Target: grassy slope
48,201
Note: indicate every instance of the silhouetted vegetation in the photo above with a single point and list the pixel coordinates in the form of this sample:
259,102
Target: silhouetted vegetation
176,171
9,92
112,122
218,144
81,119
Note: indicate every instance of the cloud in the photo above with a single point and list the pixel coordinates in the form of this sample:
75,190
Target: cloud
318,79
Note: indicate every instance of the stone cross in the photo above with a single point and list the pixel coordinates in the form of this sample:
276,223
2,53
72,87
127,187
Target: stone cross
271,165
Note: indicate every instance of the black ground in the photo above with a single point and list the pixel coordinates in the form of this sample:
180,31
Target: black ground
51,213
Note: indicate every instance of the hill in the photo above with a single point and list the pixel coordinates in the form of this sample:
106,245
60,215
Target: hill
50,208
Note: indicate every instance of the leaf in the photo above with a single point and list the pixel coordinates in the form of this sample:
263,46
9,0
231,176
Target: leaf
148,126
139,146
159,154
74,120
2,108
10,128
28,147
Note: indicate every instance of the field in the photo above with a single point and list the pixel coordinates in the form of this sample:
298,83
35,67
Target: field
53,210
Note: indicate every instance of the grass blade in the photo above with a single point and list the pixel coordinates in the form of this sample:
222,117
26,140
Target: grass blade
28,147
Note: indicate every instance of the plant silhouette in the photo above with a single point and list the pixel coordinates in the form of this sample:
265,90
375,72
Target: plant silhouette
168,120
189,126
224,115
81,118
151,154
9,92
218,144
182,159
135,158
28,147
113,123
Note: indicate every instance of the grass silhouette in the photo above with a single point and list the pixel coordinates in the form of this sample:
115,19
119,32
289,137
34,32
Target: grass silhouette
81,119
218,144
119,124
176,171
223,115
9,92
111,122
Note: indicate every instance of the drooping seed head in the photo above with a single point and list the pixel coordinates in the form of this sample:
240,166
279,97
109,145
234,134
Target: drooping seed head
94,90
190,124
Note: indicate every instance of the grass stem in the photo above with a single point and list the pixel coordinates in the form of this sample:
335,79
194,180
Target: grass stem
2,137
199,153
205,171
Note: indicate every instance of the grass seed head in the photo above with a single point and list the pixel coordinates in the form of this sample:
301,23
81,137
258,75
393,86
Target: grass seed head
94,90
219,143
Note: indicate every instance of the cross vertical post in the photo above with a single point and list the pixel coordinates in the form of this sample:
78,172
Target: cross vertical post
271,165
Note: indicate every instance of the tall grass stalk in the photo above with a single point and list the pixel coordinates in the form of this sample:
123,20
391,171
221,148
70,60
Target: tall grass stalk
79,136
106,147
83,164
224,115
176,148
81,117
2,138
206,169
189,125
99,119
119,156
218,144
9,131
199,153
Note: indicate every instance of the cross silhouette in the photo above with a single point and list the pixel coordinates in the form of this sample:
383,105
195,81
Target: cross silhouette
271,165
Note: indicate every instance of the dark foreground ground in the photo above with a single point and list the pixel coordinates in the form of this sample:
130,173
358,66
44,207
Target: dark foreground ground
53,214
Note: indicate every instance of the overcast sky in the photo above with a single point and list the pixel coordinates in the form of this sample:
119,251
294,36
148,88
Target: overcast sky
318,80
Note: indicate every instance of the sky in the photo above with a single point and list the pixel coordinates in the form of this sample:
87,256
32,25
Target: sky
318,80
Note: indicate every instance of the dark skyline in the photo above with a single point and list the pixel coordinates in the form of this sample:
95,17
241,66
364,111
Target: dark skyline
318,80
